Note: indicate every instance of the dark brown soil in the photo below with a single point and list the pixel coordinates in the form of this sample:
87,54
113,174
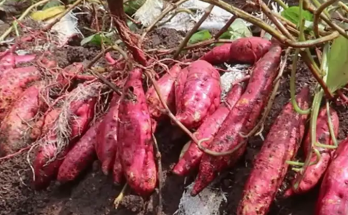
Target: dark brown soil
93,193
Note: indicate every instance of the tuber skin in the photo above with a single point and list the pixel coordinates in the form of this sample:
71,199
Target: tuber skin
16,126
117,171
244,50
166,86
9,59
45,123
270,167
135,144
106,145
198,96
333,195
50,154
12,84
80,157
192,156
315,172
240,120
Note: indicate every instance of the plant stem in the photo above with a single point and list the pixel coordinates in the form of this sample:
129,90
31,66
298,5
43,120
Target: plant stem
313,129
228,24
277,23
167,10
49,26
159,170
269,29
328,21
315,72
120,196
193,30
331,127
318,13
317,4
99,76
295,163
344,6
26,12
293,85
281,3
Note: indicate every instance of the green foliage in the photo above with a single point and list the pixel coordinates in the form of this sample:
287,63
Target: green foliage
200,36
130,7
96,39
292,14
337,76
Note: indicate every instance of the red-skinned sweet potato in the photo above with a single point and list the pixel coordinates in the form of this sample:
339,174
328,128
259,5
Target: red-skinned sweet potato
166,86
199,96
314,172
16,126
240,120
75,114
117,173
107,136
45,123
134,135
333,195
243,50
79,157
270,167
12,83
207,130
9,59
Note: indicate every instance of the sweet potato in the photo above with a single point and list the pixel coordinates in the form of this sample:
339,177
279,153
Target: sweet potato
314,172
135,146
65,77
270,167
107,136
44,124
117,172
9,59
199,96
16,126
12,83
333,195
243,50
207,130
166,86
240,120
79,157
76,112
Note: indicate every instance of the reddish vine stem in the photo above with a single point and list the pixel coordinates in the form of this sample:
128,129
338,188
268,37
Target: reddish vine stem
128,37
99,76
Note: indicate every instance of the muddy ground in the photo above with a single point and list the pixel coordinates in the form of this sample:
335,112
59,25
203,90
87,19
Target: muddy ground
93,193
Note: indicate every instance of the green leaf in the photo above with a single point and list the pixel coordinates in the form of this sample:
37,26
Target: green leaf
292,14
200,36
131,25
130,7
225,35
93,39
236,30
48,13
52,3
239,29
337,76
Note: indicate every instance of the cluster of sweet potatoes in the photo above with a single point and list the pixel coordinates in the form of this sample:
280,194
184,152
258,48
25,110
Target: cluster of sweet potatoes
70,120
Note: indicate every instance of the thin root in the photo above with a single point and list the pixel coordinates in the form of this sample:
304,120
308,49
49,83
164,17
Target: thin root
120,196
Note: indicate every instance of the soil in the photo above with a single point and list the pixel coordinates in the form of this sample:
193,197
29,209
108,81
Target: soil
93,193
